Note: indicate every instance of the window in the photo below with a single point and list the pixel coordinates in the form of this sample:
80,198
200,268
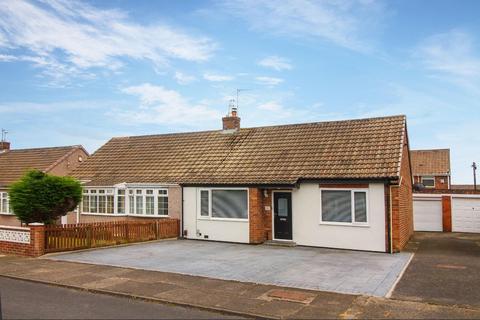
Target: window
162,203
148,202
428,182
5,203
344,206
224,204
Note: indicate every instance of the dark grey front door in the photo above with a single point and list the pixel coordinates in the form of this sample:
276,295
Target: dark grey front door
282,215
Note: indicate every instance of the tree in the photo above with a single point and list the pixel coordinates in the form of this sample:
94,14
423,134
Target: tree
40,197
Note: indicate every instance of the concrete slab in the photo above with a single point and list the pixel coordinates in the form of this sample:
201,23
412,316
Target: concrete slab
341,271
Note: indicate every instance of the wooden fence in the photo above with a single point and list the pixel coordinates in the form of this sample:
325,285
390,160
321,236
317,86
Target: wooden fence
91,235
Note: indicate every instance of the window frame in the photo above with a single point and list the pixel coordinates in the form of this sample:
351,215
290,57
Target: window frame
210,217
4,196
128,205
428,178
353,223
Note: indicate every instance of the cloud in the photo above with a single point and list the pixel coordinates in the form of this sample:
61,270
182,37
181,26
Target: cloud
159,105
451,56
271,106
217,77
269,81
344,23
81,36
183,78
276,63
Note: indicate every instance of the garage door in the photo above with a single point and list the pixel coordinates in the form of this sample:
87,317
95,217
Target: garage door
427,215
466,214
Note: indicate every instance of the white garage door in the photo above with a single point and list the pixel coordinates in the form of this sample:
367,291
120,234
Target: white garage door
466,214
427,215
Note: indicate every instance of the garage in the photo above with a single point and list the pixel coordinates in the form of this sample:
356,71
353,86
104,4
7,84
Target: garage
466,214
427,214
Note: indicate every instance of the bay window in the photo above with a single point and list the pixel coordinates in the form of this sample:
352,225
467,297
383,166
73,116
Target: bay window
342,206
224,204
137,201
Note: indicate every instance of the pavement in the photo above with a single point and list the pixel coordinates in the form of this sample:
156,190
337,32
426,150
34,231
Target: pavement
343,271
30,300
231,297
444,270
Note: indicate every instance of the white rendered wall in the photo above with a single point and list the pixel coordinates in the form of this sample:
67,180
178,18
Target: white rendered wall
218,230
308,231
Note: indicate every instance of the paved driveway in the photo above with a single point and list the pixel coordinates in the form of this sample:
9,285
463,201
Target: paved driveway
445,269
308,268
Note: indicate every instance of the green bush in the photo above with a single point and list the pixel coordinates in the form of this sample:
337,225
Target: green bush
39,197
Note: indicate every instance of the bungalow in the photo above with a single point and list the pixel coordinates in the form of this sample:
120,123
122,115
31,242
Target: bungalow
14,163
431,168
340,184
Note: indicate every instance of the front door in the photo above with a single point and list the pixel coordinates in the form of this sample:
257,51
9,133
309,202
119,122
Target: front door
282,215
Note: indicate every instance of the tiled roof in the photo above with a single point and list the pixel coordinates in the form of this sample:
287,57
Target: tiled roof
430,162
14,163
365,148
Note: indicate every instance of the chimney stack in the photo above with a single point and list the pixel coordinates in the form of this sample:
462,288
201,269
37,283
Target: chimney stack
231,122
4,146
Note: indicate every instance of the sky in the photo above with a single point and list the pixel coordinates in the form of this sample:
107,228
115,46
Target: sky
83,72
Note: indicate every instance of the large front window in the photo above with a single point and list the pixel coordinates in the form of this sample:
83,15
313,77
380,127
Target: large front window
5,203
224,203
344,206
137,201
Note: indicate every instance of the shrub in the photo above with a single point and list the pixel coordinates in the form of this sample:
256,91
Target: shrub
39,197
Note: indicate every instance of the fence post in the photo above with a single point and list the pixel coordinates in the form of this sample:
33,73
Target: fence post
89,236
37,239
157,225
127,237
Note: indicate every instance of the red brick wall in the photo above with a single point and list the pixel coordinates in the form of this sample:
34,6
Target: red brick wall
256,219
447,213
402,204
35,248
438,182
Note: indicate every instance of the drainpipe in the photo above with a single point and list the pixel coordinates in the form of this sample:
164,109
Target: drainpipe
181,223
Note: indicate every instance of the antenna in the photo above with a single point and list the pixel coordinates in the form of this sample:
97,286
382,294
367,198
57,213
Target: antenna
238,91
4,135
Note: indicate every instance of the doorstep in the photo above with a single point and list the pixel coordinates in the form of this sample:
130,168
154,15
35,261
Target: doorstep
282,243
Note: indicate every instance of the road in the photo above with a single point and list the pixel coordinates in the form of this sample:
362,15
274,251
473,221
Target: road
28,300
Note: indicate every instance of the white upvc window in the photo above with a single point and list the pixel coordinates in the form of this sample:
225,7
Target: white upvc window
223,204
428,182
98,201
344,206
5,203
126,201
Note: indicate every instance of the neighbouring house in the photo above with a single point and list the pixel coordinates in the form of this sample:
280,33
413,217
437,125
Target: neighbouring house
14,163
340,184
431,168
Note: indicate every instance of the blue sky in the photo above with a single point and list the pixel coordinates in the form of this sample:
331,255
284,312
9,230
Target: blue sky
82,72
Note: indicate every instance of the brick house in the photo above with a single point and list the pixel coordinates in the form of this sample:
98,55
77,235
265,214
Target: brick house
58,161
341,184
431,168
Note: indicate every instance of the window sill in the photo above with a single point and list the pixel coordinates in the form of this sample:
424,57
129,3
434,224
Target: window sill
344,224
104,214
6,214
221,219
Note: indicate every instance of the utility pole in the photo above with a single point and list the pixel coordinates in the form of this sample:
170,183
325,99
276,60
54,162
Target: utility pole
474,166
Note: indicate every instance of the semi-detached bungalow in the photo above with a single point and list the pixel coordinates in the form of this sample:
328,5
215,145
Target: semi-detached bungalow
341,184
14,163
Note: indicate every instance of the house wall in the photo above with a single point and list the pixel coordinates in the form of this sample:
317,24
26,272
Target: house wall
69,163
402,204
308,231
441,182
220,230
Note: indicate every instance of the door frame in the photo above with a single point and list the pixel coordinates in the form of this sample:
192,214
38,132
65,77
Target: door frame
273,213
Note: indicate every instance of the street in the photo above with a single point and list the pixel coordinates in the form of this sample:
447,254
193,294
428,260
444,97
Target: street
28,300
